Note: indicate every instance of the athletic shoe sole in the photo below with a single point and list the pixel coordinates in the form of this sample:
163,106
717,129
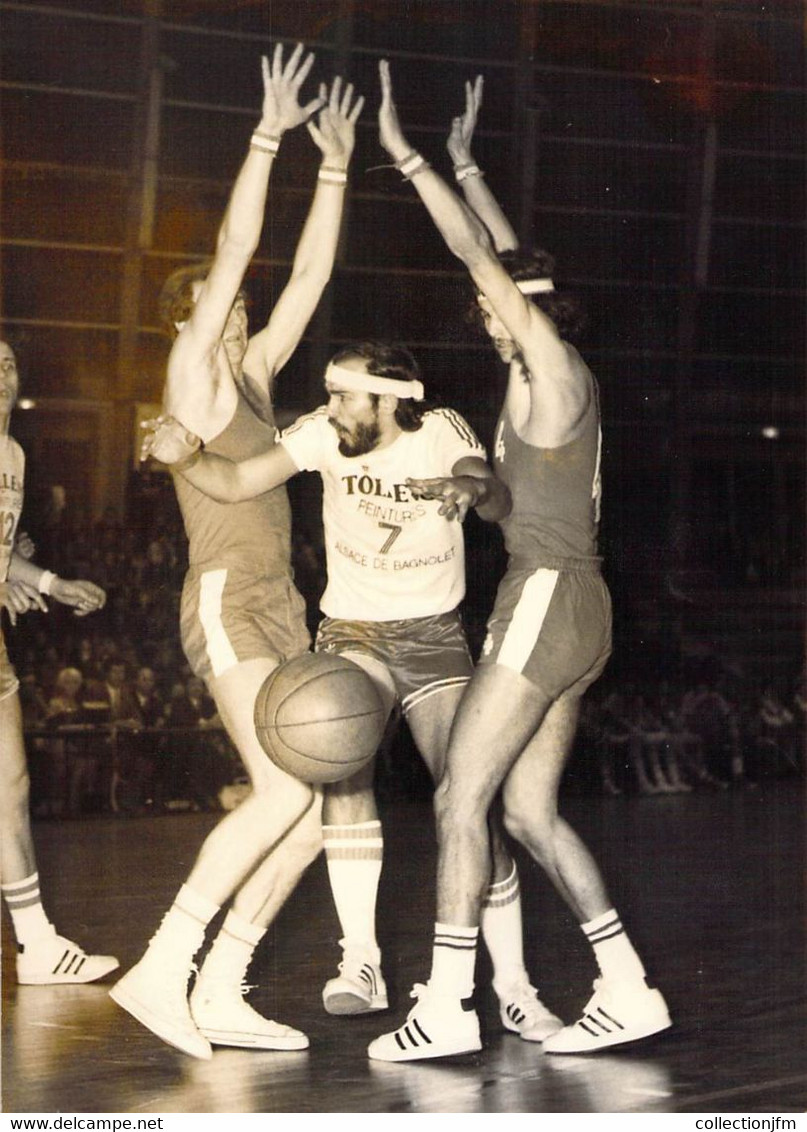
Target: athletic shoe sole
579,1040
344,1003
242,1040
194,1044
51,978
423,1053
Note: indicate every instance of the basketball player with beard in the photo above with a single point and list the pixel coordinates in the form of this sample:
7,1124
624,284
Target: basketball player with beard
396,576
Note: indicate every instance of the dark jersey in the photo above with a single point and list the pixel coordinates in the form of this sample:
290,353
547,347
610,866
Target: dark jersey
255,534
556,493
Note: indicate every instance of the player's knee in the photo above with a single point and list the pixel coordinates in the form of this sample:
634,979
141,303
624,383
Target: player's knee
529,826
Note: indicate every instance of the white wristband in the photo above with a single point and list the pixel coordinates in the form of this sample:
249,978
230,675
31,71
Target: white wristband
46,580
332,176
264,143
465,171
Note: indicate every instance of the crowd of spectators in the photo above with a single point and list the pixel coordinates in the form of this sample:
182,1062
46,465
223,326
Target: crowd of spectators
116,722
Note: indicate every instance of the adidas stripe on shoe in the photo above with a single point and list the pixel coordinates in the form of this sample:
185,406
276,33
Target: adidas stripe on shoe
359,988
56,960
523,1013
615,1015
437,1026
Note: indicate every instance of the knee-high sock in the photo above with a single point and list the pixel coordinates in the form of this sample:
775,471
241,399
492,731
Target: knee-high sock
502,931
354,855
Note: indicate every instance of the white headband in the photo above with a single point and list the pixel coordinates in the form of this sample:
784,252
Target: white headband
534,286
372,383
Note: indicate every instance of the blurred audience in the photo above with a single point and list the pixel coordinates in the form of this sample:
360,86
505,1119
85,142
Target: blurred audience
102,741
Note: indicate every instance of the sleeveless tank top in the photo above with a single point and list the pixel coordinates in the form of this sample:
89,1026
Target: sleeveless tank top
254,535
556,493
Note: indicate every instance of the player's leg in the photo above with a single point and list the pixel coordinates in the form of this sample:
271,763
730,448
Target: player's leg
155,990
498,714
43,955
623,1007
217,1001
353,840
521,1011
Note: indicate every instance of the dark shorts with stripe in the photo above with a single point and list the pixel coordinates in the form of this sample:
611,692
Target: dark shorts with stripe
423,655
551,625
229,615
8,677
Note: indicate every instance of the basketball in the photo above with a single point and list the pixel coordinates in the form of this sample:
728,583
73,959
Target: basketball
319,717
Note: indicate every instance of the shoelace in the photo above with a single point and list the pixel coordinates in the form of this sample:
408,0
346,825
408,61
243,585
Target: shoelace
418,990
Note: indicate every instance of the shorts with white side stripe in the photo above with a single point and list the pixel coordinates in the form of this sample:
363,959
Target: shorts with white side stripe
423,655
231,615
551,625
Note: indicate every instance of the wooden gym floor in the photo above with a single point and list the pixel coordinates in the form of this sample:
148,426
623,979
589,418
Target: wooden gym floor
710,885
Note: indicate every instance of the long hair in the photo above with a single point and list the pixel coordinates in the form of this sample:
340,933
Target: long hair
385,360
564,308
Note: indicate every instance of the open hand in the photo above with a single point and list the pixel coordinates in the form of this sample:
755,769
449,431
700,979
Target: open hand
456,493
281,91
334,131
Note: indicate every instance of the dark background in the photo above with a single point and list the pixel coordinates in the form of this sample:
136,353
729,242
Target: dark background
656,148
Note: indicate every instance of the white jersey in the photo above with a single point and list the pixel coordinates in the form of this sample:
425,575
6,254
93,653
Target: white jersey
389,556
12,474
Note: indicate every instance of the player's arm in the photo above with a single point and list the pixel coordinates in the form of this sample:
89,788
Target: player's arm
469,176
226,480
334,133
471,485
240,230
36,583
559,395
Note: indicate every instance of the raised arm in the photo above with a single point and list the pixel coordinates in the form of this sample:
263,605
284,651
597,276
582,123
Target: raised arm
559,390
470,177
243,220
334,134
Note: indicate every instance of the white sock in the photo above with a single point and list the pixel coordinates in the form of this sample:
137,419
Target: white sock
454,960
613,951
502,931
182,931
354,855
24,902
231,953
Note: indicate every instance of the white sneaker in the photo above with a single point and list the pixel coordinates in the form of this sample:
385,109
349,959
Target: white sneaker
157,998
523,1013
615,1014
437,1026
55,959
359,988
226,1020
